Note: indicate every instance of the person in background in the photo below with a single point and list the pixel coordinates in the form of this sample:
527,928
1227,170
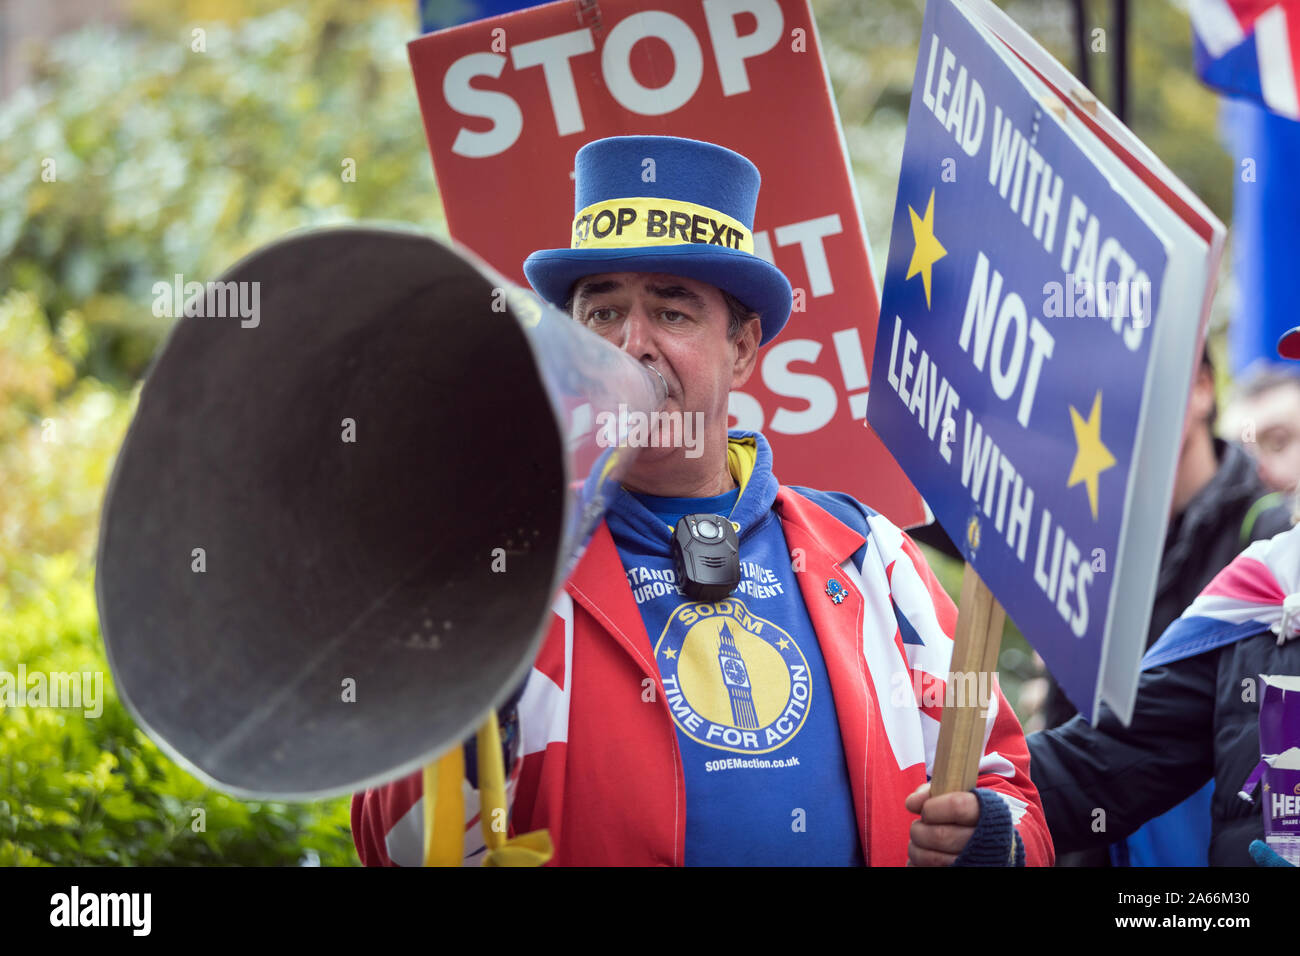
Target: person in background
1263,414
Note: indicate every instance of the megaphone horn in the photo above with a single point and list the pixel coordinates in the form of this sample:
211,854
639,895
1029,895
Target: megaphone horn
333,534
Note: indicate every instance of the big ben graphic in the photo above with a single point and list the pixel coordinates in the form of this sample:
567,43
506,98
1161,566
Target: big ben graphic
736,678
735,681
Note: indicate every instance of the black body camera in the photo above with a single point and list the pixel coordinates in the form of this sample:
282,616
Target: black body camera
706,557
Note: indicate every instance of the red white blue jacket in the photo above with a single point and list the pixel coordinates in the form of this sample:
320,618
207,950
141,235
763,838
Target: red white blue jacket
600,767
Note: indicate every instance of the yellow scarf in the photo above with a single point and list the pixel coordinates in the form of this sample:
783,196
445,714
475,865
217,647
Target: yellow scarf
742,454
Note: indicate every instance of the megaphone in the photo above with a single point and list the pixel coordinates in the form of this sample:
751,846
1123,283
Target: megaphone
335,527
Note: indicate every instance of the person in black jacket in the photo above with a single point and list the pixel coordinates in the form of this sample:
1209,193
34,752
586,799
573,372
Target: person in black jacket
1194,719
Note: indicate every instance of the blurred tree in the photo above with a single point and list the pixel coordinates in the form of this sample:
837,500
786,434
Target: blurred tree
79,788
170,155
871,52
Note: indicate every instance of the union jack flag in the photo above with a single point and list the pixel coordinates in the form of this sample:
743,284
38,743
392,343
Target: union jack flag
1250,48
1258,591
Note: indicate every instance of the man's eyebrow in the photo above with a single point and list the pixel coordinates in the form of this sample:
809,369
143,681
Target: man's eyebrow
675,292
599,288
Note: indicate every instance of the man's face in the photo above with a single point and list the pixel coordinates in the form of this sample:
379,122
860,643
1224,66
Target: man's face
1275,415
679,326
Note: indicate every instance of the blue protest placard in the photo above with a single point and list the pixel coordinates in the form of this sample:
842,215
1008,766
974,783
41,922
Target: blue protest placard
1023,336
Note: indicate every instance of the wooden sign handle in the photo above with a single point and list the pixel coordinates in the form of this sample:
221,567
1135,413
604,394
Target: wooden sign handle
974,653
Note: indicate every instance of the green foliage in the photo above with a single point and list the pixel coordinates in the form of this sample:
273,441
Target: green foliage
57,437
167,160
86,790
130,158
79,789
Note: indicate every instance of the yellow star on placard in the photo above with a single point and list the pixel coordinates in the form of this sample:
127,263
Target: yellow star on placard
928,251
669,653
783,644
1092,457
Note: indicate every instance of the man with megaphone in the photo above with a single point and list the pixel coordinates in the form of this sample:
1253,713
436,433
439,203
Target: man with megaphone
737,672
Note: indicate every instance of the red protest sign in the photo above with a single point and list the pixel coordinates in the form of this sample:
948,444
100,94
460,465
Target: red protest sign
508,101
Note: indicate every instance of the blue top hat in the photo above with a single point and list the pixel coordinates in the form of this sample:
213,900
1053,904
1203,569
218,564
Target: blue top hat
688,213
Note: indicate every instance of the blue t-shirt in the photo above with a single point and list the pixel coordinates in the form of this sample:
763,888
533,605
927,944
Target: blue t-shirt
766,777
